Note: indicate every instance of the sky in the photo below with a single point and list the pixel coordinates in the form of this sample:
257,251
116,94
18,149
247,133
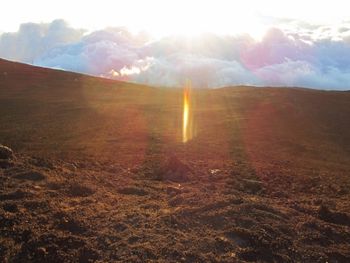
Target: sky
214,43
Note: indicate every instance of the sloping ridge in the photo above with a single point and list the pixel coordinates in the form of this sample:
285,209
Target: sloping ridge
90,179
16,75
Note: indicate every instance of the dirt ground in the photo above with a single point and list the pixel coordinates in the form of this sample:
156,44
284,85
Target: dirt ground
99,172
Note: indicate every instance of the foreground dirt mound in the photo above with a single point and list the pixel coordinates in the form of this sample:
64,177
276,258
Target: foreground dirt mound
6,156
5,152
61,213
174,170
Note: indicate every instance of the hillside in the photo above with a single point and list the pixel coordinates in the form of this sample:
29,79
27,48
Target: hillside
100,165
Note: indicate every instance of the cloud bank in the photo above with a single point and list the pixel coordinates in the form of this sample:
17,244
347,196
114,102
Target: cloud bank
298,54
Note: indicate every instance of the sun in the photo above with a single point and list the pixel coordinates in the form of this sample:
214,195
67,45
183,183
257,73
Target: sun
192,18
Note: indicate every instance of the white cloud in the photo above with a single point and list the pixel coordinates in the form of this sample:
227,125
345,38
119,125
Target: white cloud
175,69
292,57
32,40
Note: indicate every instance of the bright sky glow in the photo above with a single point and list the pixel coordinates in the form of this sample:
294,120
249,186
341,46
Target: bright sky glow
159,17
252,42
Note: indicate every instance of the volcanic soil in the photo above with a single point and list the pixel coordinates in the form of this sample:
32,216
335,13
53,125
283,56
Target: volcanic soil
95,170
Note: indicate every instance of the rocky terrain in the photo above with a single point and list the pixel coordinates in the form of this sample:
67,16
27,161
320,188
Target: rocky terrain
95,171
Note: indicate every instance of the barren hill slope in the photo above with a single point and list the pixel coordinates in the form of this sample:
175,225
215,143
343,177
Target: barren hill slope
100,164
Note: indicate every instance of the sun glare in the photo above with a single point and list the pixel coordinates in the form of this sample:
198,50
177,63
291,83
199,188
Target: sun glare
191,20
186,123
160,18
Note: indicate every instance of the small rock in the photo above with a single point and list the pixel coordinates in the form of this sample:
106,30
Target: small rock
334,217
71,225
280,194
5,152
79,190
174,170
4,164
10,207
120,227
88,255
16,195
31,176
133,239
171,190
214,171
26,235
41,251
40,162
176,201
252,186
132,191
37,187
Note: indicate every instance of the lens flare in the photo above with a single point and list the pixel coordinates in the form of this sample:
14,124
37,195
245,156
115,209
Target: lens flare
186,123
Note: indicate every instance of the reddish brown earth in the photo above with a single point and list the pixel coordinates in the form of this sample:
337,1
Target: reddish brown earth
99,172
